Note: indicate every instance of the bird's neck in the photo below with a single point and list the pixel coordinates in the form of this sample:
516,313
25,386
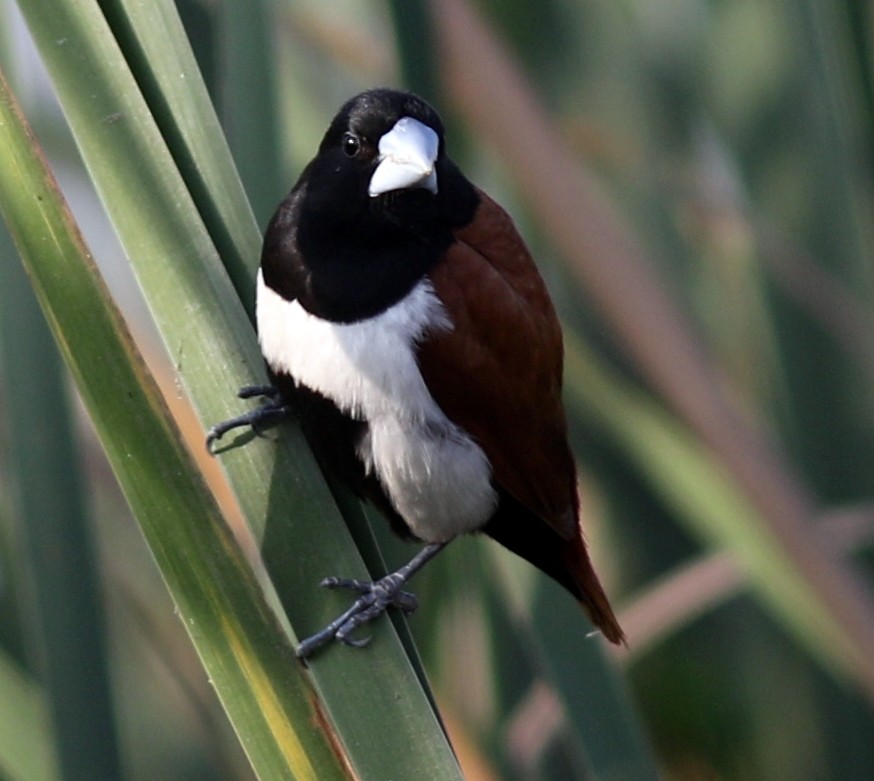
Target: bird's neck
350,279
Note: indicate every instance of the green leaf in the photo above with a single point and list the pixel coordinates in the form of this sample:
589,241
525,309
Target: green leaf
58,564
704,497
244,651
154,44
27,751
575,663
213,349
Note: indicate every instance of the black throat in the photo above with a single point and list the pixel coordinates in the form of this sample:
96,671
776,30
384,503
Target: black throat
349,258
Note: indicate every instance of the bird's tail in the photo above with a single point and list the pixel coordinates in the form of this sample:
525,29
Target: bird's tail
590,592
566,560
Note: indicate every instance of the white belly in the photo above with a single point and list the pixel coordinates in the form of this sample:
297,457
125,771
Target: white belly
436,476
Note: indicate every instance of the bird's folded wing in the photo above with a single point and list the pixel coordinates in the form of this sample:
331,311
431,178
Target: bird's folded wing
497,373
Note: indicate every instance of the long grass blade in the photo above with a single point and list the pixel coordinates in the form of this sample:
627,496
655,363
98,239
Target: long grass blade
243,649
704,497
54,531
27,748
162,63
212,347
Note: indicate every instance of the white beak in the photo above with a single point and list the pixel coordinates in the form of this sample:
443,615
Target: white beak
406,158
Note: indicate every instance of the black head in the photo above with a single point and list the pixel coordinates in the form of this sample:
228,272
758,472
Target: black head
372,114
353,154
372,212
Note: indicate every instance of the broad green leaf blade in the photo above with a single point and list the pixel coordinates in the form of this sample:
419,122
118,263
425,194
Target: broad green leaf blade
704,497
166,72
212,346
244,651
591,689
27,749
58,563
594,695
249,116
573,660
416,47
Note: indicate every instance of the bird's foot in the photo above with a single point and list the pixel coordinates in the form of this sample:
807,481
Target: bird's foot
376,598
269,412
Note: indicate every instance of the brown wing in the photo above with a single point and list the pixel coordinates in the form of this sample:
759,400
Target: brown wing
505,353
498,375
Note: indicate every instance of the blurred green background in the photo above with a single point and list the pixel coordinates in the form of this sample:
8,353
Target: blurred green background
714,278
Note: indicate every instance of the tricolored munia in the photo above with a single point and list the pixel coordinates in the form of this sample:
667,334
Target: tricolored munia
403,320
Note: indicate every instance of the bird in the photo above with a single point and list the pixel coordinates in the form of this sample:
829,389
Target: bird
404,323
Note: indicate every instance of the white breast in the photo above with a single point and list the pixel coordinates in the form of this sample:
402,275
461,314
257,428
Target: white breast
436,476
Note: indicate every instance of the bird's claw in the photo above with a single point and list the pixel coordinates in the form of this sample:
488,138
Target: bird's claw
269,412
376,598
385,592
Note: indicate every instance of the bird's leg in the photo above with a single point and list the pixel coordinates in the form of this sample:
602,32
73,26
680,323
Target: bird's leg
269,412
376,597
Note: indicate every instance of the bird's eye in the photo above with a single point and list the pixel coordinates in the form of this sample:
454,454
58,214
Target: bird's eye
351,144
